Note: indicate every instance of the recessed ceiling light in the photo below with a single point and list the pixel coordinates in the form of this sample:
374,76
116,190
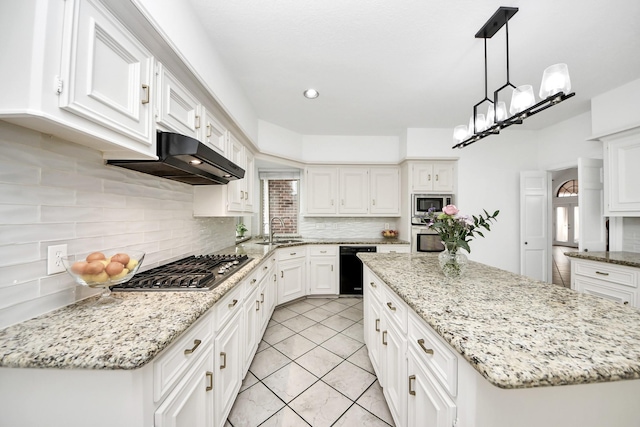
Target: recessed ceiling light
311,93
195,162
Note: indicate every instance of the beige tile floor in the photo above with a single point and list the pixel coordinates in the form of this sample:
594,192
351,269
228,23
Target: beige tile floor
561,266
312,369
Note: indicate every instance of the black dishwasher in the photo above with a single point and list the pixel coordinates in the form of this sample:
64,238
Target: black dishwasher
351,269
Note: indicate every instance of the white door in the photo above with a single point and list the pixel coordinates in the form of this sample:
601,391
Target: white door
535,260
591,205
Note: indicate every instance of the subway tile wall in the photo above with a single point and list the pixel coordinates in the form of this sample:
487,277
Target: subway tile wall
57,192
631,236
329,228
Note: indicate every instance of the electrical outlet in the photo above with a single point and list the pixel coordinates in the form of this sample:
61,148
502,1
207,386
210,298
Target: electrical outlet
386,225
54,258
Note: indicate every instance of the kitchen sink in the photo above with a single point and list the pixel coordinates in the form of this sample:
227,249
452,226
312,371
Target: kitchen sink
280,242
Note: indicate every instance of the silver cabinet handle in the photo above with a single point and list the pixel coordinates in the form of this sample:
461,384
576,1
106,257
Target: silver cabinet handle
425,349
208,130
253,281
331,267
374,202
323,252
196,343
377,325
224,357
602,273
281,274
265,267
411,391
257,305
384,337
391,307
373,285
293,253
146,90
210,378
262,298
429,177
233,304
436,177
197,122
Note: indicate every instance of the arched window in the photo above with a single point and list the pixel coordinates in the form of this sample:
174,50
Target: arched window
568,189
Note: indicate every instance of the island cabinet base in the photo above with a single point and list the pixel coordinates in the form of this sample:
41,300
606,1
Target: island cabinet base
481,404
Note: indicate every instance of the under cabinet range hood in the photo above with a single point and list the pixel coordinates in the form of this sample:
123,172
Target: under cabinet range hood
182,158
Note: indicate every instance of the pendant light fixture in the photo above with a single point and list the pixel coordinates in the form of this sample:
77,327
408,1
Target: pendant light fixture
555,88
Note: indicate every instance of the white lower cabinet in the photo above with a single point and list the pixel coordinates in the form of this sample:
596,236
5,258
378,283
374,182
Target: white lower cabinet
251,313
228,364
428,404
394,365
323,270
291,273
618,283
191,402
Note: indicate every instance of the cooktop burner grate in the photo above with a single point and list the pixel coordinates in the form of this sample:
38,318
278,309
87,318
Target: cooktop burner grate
194,273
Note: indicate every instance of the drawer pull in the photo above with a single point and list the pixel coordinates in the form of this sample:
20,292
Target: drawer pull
384,337
626,303
281,274
261,297
210,378
257,305
196,343
292,253
425,349
145,88
224,357
253,281
377,325
391,306
233,304
265,267
323,252
411,391
602,273
373,285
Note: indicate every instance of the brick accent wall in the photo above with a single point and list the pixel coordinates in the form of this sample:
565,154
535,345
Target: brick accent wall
284,203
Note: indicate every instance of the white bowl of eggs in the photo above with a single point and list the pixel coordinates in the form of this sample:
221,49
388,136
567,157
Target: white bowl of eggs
104,269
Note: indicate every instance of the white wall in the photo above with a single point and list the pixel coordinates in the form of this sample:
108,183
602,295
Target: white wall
278,141
185,31
350,149
561,145
617,109
56,192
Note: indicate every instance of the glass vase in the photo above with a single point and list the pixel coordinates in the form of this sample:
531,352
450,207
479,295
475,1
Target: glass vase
452,262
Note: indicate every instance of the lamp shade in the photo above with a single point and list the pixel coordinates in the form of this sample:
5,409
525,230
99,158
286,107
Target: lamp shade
555,79
521,99
460,133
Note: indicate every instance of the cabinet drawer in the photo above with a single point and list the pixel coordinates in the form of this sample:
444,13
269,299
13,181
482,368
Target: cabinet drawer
171,365
372,283
394,308
228,306
322,250
390,249
291,253
434,353
607,272
610,291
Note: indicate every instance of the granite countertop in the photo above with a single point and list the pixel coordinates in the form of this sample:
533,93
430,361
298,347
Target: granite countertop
130,334
630,259
515,331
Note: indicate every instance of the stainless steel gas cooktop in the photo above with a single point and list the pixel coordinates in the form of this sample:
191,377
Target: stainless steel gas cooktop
194,273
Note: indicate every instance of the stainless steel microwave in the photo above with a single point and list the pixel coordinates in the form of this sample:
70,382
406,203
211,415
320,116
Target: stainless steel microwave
423,202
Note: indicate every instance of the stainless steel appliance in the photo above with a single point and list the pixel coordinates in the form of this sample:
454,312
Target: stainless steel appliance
421,203
193,273
424,239
351,269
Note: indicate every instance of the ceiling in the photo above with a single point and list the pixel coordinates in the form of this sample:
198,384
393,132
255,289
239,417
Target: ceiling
382,66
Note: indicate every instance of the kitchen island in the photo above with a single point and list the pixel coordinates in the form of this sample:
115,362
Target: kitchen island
531,352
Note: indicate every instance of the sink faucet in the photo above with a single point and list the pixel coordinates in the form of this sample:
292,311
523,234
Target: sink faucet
271,228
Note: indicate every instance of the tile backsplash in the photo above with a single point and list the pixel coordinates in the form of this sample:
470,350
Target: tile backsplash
57,192
631,237
368,228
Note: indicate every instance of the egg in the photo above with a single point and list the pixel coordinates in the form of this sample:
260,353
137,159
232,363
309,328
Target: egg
79,267
121,258
94,267
95,256
114,268
132,264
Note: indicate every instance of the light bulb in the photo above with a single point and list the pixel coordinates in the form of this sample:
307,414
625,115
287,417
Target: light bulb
555,79
501,111
460,133
521,99
491,116
481,123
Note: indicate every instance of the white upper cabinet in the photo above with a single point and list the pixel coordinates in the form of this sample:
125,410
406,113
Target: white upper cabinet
215,134
622,175
107,73
352,191
433,177
178,109
384,188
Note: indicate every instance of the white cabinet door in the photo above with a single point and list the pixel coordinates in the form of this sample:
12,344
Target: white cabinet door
252,319
354,191
438,177
622,175
443,177
215,135
322,188
249,191
108,73
421,177
373,332
179,110
385,191
428,404
191,402
291,280
228,367
267,297
235,188
323,275
394,366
